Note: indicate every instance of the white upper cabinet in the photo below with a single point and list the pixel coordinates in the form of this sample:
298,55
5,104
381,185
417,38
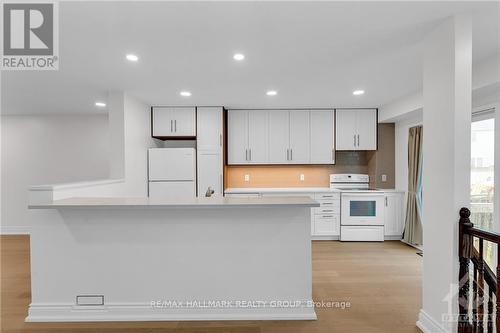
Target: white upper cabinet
322,137
345,130
279,137
209,128
356,129
288,137
174,121
237,137
299,137
248,137
258,137
366,122
162,122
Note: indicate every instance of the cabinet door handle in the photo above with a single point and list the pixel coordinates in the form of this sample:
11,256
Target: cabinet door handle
250,154
386,201
333,154
175,124
291,154
358,140
220,139
246,154
327,216
287,153
171,125
354,140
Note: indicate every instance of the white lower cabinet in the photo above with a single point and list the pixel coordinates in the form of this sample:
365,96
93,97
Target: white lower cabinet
210,169
394,215
326,225
325,219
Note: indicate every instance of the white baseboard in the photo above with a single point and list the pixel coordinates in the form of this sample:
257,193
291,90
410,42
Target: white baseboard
314,238
144,312
427,324
14,230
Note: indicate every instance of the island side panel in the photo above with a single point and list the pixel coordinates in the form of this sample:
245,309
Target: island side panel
162,255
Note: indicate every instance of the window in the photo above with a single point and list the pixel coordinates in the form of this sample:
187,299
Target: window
482,174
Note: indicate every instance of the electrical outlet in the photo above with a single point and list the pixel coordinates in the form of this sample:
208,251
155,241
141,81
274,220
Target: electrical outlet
384,178
302,177
247,178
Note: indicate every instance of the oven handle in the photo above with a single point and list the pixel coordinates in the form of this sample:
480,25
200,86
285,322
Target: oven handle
363,194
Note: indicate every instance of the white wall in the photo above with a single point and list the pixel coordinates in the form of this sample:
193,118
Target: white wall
485,89
48,149
400,107
137,140
446,166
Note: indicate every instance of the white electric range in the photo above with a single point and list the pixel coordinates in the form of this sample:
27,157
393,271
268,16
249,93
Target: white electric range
361,208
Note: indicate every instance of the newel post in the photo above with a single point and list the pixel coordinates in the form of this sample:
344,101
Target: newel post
465,246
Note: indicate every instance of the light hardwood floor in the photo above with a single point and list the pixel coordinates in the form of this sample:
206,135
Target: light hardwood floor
382,281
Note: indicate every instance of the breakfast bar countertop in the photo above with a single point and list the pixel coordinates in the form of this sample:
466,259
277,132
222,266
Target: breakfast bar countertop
141,202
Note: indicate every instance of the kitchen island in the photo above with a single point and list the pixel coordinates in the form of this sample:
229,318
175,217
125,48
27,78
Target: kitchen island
131,259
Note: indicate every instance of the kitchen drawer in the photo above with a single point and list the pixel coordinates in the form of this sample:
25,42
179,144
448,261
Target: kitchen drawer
327,210
326,225
328,203
362,233
327,196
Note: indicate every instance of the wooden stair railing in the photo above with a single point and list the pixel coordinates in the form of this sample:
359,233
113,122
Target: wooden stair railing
473,304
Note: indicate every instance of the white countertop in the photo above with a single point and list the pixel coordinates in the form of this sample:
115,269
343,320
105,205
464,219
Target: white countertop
217,202
256,190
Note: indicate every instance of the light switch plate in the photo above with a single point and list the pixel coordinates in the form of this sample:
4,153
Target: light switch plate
247,178
302,177
384,178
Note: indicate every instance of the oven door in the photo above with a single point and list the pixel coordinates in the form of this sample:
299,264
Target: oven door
362,209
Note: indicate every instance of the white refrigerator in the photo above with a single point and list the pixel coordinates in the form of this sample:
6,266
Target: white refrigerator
172,173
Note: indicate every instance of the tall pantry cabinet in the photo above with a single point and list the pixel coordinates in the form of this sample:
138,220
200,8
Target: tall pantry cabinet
209,142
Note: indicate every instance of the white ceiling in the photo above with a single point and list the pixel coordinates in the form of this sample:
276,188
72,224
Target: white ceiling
313,53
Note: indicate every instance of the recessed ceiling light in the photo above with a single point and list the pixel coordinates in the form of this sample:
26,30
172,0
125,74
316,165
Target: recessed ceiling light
238,56
100,104
132,57
358,92
272,93
185,93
